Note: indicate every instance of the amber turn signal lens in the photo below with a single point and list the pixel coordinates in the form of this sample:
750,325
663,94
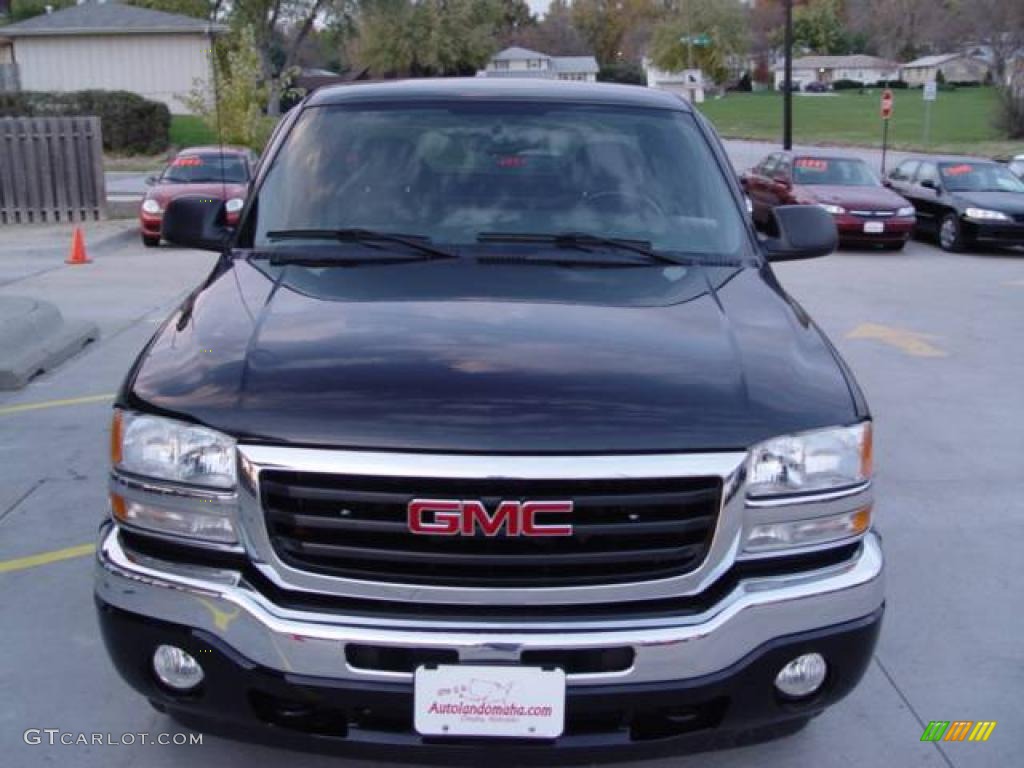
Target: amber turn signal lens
115,438
867,452
117,507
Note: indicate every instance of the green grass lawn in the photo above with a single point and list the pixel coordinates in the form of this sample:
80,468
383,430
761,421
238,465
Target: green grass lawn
190,131
961,121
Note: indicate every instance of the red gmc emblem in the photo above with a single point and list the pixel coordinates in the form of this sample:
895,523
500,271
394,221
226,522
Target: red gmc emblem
444,517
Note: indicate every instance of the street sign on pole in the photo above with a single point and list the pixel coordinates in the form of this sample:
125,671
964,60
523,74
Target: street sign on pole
886,110
886,104
931,90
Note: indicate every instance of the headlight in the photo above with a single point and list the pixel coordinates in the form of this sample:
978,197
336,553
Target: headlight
985,215
165,449
835,210
149,205
234,205
813,461
907,211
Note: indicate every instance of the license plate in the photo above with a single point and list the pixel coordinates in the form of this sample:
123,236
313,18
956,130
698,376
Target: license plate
508,702
874,227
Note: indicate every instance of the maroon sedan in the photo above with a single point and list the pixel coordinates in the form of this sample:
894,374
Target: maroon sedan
865,211
221,173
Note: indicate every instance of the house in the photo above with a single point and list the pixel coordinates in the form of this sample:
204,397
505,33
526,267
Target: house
828,69
111,46
955,68
522,62
688,83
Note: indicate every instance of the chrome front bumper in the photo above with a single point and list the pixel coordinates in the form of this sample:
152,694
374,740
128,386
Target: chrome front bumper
221,603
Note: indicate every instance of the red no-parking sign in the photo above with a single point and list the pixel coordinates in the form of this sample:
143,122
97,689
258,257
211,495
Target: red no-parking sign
886,104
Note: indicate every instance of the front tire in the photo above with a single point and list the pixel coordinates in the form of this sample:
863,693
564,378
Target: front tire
951,234
150,242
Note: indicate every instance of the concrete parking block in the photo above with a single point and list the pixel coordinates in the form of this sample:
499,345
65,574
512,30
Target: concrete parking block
35,338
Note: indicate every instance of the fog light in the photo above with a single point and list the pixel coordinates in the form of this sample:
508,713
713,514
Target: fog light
176,668
802,676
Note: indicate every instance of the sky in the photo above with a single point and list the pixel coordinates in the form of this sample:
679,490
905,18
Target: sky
539,6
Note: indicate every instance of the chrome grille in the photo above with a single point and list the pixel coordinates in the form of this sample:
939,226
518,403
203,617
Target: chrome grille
624,530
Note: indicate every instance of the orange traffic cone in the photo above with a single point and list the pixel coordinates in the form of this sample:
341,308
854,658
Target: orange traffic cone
77,254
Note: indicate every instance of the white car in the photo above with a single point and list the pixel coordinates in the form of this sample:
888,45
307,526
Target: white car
1016,166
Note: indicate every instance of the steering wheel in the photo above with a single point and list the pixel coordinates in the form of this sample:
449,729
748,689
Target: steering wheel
644,198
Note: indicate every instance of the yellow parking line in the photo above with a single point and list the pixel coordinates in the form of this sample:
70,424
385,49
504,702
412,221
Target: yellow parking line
8,409
45,558
909,342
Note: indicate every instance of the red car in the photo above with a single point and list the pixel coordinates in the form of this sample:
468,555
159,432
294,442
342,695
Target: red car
865,211
221,173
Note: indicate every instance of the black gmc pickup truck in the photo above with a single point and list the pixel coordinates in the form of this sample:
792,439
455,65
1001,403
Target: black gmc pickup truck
492,426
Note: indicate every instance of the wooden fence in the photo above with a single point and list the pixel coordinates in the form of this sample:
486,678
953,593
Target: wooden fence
51,170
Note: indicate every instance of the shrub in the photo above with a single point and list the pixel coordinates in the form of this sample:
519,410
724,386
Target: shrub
896,85
1010,115
743,85
847,85
623,72
130,123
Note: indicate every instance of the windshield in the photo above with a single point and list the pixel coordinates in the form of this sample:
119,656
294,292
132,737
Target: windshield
979,177
838,171
471,174
196,169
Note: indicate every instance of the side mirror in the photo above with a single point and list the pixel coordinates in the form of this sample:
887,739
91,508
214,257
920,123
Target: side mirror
196,222
930,184
151,180
805,232
887,182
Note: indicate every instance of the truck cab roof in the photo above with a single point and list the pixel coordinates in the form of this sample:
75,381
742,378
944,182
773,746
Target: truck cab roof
493,89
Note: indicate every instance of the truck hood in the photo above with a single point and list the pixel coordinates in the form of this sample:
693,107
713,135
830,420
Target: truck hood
720,362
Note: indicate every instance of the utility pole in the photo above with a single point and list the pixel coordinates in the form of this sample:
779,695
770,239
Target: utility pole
787,81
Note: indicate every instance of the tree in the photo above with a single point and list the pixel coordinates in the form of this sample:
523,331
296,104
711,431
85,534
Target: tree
555,34
268,20
818,27
26,9
429,37
232,103
998,25
604,24
723,22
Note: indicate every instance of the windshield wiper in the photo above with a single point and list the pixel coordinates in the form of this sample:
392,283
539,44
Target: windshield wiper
417,243
582,241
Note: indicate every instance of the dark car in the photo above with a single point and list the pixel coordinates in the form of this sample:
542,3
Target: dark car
964,202
221,173
492,432
865,212
816,87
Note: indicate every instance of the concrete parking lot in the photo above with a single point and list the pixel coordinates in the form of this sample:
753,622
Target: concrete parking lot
935,340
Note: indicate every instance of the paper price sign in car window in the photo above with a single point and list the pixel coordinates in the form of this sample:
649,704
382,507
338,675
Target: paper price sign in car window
812,164
957,170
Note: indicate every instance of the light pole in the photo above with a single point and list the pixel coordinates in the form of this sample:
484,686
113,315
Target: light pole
787,80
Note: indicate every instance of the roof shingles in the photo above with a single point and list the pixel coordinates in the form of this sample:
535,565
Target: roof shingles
107,18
